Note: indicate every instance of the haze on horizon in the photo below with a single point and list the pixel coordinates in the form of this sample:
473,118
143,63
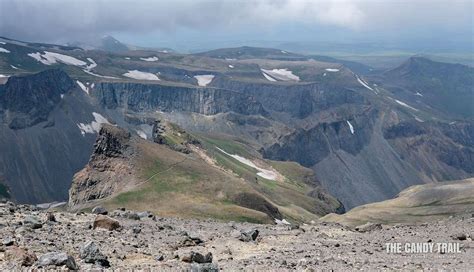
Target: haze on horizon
191,25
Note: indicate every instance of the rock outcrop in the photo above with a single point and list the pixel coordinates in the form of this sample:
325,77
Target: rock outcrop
109,167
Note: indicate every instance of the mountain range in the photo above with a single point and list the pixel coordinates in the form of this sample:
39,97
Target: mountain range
244,133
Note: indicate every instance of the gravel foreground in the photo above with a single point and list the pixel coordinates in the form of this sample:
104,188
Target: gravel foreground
125,240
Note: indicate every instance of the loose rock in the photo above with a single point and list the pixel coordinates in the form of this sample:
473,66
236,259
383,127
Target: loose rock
105,222
57,259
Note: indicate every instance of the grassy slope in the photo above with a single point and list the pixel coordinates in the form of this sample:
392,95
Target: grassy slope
418,203
183,185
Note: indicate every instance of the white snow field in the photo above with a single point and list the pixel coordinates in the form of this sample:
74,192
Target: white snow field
94,126
333,70
49,58
3,50
350,126
281,74
135,74
204,80
264,173
150,59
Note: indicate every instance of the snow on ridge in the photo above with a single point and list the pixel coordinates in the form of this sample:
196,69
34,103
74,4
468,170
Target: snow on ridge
268,77
150,59
97,75
142,134
405,105
92,65
264,173
49,58
204,80
332,70
94,126
3,50
350,126
82,86
363,83
282,74
135,74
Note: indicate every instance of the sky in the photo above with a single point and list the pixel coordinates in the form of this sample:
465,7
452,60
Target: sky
191,25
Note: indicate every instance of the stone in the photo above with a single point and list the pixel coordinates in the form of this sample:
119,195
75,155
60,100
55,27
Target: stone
205,267
459,236
90,253
196,257
105,222
99,210
367,227
145,214
133,216
21,256
57,259
8,241
248,235
32,222
191,241
50,217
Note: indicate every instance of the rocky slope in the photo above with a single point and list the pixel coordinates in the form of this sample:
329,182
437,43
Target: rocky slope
179,174
126,240
420,203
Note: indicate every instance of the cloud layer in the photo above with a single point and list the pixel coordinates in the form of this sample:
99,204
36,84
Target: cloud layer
50,20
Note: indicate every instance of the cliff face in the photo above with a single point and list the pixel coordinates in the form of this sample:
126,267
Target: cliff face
109,168
28,100
141,97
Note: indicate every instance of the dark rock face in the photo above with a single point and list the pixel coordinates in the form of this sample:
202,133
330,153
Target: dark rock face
256,202
309,147
404,129
111,142
29,100
140,97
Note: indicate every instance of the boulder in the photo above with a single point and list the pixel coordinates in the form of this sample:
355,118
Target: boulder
205,267
90,253
50,217
57,259
105,222
32,222
195,257
21,256
99,210
248,235
368,227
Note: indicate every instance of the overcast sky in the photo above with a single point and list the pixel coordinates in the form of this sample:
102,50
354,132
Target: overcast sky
194,24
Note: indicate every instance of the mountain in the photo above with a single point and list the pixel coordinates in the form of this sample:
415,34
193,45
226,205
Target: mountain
415,204
365,138
178,174
445,87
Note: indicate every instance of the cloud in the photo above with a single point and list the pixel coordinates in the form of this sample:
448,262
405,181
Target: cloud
50,20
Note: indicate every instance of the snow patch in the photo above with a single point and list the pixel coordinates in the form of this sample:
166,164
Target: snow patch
3,76
3,50
127,58
350,126
282,222
333,70
82,86
405,105
419,119
268,77
141,75
281,74
363,83
49,58
204,80
97,75
3,43
14,67
142,134
62,96
92,65
231,66
150,59
418,94
94,126
264,173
